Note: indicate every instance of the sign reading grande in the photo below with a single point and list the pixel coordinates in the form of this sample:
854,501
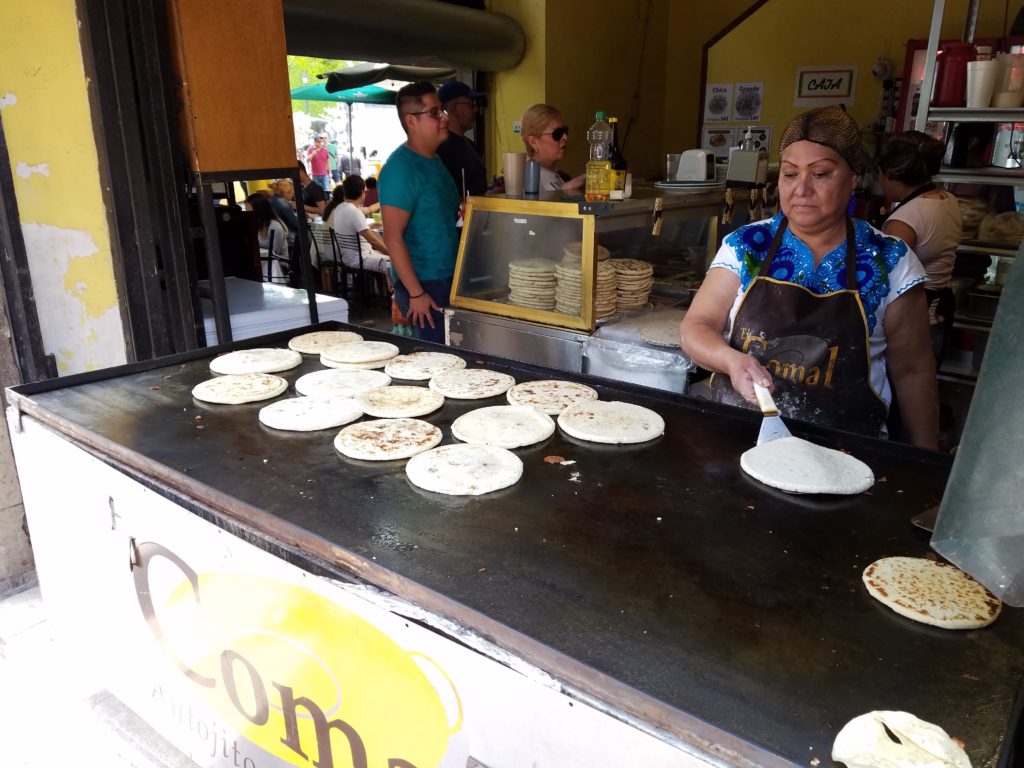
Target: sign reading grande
821,86
295,673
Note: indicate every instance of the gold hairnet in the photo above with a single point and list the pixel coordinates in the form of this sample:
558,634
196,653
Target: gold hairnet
831,127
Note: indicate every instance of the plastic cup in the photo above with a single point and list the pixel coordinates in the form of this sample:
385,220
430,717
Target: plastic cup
514,164
671,166
982,77
532,183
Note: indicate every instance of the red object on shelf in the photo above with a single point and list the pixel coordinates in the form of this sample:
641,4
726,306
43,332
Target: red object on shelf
951,74
913,73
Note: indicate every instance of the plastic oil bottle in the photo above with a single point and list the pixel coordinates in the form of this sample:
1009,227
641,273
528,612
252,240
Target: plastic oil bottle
599,168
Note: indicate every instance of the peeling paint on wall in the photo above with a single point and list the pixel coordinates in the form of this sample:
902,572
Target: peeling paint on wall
52,148
25,170
81,308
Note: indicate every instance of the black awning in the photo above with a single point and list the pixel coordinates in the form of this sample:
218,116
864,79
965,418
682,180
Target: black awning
421,33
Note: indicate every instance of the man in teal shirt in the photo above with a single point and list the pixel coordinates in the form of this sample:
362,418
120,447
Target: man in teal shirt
419,205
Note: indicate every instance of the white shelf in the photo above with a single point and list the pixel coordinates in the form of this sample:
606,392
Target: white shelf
1002,250
1002,176
965,115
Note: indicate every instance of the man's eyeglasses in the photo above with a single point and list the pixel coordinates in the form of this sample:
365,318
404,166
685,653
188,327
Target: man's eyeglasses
435,112
558,133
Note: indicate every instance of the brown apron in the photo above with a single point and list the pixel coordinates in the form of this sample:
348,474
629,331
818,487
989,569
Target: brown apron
815,347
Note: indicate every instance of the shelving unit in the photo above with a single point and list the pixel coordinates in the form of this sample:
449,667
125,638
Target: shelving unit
954,368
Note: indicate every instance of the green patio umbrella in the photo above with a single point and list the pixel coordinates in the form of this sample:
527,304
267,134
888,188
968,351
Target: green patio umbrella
367,94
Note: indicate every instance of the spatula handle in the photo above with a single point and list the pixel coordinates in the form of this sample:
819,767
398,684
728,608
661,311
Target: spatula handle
765,401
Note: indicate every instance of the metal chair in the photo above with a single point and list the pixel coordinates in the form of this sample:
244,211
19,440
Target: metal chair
282,261
341,272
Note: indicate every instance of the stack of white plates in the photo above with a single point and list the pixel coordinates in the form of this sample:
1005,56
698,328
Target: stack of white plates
691,186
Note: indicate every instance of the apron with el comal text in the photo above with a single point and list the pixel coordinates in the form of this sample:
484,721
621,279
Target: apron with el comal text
814,345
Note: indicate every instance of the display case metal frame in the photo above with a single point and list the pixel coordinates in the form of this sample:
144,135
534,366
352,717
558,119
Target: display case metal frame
648,209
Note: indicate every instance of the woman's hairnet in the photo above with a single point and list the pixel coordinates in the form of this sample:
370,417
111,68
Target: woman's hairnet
831,127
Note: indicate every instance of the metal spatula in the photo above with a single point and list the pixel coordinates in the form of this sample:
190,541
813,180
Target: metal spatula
772,426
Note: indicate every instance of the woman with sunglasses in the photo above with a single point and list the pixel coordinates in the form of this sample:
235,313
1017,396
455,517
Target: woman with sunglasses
545,135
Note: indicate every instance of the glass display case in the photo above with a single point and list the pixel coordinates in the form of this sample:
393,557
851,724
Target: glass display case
559,261
562,282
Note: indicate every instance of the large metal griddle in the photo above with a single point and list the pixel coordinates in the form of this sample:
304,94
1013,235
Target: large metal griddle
656,578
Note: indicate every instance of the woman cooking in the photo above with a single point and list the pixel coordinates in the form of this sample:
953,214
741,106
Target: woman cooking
545,135
815,305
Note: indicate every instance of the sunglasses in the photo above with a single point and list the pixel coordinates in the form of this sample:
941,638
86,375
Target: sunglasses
558,133
435,112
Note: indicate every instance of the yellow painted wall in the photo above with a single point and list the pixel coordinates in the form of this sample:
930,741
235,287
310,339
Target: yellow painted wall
517,88
609,55
784,35
690,25
47,124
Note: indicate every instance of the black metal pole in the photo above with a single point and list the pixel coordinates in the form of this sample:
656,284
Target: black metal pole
302,241
214,265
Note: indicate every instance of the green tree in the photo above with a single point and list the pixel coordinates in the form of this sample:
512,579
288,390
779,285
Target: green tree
309,67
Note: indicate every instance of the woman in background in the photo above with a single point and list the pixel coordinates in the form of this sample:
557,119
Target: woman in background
283,202
545,136
926,218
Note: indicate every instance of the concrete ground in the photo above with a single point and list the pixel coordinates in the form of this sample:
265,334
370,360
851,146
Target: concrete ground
51,717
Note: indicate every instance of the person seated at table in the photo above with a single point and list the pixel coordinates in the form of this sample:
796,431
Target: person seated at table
270,229
545,136
372,197
815,305
355,238
283,202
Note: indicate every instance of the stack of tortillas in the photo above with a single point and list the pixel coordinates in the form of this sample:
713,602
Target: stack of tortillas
569,275
662,330
531,283
931,592
568,289
358,355
633,281
573,254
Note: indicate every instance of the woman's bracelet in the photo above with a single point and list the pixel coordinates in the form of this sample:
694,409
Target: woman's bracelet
421,293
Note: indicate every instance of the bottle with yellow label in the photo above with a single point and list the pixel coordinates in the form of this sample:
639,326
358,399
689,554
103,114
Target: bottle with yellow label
598,186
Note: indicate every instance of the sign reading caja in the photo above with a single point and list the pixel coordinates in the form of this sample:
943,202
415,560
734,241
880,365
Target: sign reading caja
297,674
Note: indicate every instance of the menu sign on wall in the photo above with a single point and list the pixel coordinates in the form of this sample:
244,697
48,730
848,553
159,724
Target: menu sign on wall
717,102
718,140
747,105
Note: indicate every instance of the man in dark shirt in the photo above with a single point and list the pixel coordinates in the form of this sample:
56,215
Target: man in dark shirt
460,155
314,199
